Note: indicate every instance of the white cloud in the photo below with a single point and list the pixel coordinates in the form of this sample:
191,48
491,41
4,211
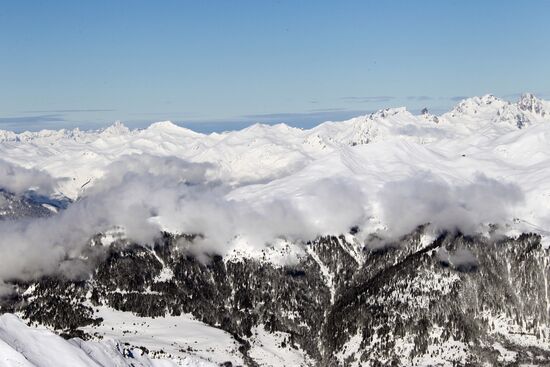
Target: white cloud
425,198
17,180
145,194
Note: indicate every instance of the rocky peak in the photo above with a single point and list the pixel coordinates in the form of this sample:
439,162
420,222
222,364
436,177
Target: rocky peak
528,102
387,112
7,136
117,128
475,105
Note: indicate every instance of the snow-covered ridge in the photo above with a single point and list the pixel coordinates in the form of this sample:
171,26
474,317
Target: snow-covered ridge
481,135
487,159
260,152
23,346
485,162
486,108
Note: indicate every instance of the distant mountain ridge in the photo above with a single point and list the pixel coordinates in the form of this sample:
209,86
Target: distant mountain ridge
487,107
389,239
262,152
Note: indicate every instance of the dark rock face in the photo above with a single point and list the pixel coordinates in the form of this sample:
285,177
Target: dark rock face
528,102
399,305
17,206
29,205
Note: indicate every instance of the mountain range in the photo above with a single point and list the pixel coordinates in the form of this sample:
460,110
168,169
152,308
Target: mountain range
388,239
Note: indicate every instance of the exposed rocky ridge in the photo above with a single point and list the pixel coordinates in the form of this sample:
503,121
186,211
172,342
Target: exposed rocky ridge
26,206
399,305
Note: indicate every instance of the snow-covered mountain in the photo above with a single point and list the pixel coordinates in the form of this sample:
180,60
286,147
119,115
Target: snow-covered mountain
263,152
449,301
481,135
387,239
23,346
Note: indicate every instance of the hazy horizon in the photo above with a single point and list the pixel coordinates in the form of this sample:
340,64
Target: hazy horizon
215,66
298,120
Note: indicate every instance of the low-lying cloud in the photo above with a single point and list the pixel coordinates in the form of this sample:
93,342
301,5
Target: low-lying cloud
17,179
461,259
425,198
146,194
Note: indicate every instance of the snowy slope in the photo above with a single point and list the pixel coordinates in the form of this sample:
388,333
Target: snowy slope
484,162
262,152
506,142
21,345
176,336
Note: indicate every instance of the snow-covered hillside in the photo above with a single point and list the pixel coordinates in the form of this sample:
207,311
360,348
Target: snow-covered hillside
23,346
262,152
274,245
484,163
485,135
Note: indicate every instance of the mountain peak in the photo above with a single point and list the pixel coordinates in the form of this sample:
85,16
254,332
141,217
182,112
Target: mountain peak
529,102
486,99
164,125
169,127
267,128
476,106
387,112
117,128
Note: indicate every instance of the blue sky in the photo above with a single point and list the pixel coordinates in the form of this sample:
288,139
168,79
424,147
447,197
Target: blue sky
216,65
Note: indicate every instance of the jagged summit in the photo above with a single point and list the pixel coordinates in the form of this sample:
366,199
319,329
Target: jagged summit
118,128
6,135
528,102
262,151
527,110
293,226
388,112
477,105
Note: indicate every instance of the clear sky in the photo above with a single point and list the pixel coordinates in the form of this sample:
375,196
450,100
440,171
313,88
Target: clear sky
215,65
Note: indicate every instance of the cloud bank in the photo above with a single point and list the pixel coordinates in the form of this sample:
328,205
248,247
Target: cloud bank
425,198
18,179
146,194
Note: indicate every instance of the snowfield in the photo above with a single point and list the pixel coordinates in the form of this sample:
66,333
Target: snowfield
482,167
479,144
23,346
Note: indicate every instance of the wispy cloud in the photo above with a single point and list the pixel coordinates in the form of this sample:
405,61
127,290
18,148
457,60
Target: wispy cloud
84,110
367,99
420,98
328,109
44,121
457,98
32,119
33,122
